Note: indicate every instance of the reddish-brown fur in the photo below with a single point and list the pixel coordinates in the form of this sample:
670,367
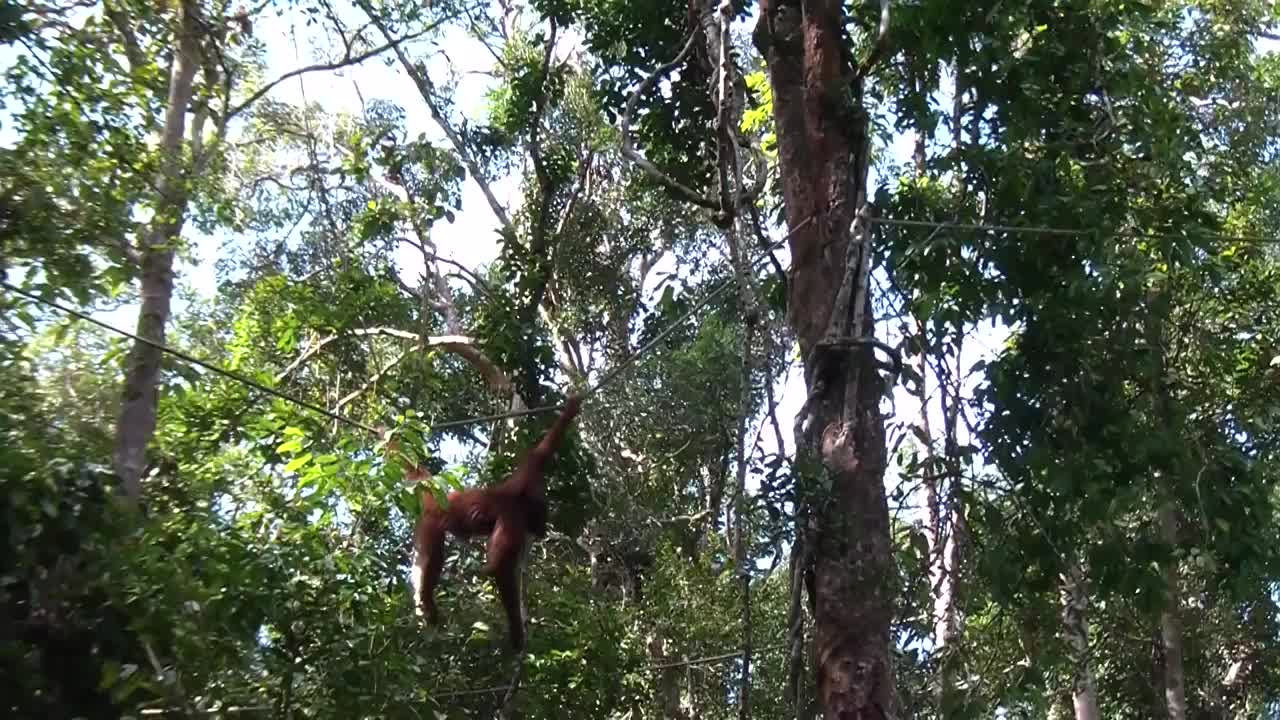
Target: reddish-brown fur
507,513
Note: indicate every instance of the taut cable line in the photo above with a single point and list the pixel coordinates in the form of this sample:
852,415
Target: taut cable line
230,375
1072,232
614,373
609,377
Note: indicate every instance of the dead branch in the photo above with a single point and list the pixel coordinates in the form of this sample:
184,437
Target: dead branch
584,174
464,272
375,378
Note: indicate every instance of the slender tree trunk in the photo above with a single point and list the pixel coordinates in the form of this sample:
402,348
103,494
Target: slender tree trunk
823,146
717,476
1237,683
947,535
941,524
795,694
1166,476
667,686
716,20
1155,675
137,421
740,559
1075,627
1175,682
942,510
1061,707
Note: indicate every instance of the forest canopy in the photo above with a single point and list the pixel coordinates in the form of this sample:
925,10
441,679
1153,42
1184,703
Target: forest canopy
930,356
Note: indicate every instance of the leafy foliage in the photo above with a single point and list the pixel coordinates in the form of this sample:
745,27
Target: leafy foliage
1102,195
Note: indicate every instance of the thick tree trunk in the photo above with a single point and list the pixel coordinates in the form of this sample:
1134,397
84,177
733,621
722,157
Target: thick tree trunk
137,422
822,141
1075,627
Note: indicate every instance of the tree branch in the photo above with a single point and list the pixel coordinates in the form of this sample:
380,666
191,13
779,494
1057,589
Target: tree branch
545,183
584,173
347,60
463,271
426,89
120,19
681,191
373,380
880,48
460,345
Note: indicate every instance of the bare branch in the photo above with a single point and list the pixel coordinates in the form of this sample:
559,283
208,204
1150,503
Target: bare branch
373,380
179,694
761,163
460,345
540,105
757,225
584,173
347,60
573,351
880,48
464,272
505,709
680,190
418,73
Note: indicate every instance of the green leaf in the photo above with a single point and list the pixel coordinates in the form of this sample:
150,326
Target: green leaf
297,463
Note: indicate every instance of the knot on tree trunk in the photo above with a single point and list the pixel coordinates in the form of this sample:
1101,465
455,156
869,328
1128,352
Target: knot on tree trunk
851,683
839,448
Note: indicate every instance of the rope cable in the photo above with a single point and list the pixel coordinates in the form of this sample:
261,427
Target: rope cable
608,377
613,373
229,374
1071,232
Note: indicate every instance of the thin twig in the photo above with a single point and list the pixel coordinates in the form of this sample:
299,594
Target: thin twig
347,60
